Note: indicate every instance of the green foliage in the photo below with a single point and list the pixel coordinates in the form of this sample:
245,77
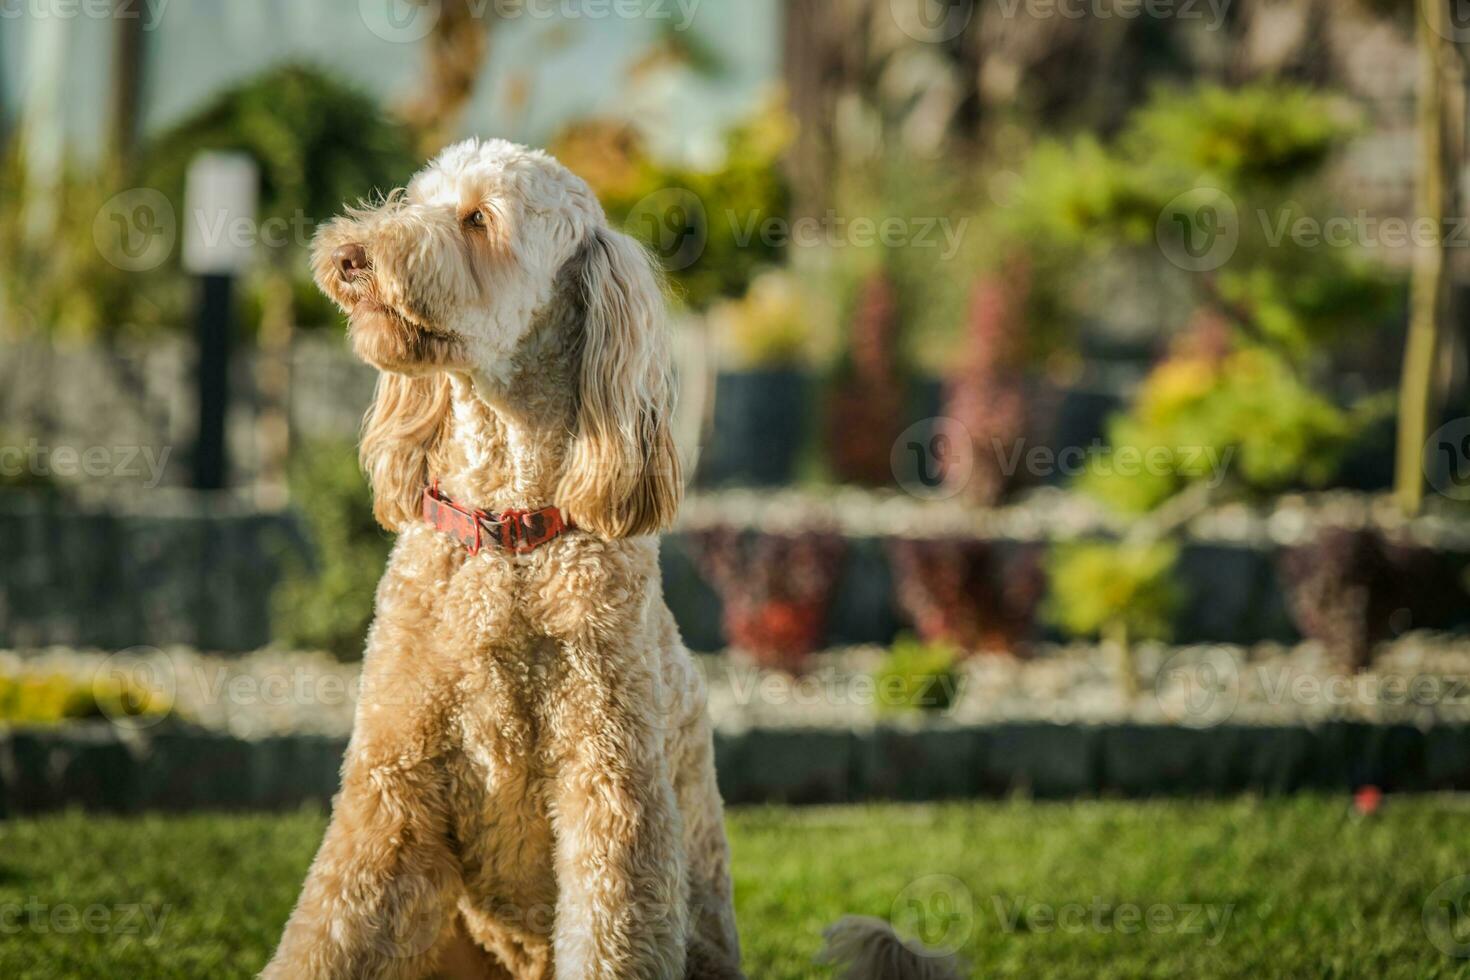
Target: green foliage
1246,417
1106,587
1283,300
1252,148
1304,299
917,676
1083,196
1088,194
718,212
1267,131
39,698
320,144
60,282
329,606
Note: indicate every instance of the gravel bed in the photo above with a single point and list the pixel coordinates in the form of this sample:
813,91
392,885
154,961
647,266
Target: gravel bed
1420,679
1048,514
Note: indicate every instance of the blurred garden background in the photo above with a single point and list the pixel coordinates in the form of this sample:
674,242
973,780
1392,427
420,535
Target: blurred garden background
1075,399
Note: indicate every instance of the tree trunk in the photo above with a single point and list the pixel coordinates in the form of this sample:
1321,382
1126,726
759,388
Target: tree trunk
1441,128
126,88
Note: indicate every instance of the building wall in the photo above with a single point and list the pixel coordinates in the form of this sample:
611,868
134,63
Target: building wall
550,60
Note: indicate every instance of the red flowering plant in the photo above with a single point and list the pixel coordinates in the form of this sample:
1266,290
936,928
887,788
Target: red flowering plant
966,593
865,415
985,394
776,590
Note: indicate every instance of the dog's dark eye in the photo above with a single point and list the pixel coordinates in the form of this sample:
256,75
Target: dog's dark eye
475,219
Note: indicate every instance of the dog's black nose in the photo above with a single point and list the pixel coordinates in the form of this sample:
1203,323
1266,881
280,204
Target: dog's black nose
350,259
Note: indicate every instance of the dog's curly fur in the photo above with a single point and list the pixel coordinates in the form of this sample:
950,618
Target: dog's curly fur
530,789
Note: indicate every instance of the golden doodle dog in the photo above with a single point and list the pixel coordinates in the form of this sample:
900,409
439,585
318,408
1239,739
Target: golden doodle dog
530,789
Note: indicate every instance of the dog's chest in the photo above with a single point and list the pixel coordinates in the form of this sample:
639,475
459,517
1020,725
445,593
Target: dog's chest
500,786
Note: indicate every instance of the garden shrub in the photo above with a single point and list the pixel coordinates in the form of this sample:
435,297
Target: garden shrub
1119,590
865,411
1267,131
41,698
320,143
1283,302
1243,415
746,190
916,676
963,593
328,604
985,393
63,285
1351,588
776,590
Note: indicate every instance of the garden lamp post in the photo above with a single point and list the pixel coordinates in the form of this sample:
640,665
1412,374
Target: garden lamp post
219,237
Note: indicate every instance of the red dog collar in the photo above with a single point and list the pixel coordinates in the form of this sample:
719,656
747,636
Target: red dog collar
517,531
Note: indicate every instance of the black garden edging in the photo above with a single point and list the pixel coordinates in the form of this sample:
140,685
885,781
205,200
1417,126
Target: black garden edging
91,767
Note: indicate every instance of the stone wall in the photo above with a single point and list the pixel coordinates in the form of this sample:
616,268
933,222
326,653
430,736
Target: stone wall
97,768
178,568
136,403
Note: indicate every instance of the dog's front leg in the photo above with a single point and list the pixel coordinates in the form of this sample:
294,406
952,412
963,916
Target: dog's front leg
381,890
621,909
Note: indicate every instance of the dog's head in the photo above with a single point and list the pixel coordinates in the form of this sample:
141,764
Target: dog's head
451,274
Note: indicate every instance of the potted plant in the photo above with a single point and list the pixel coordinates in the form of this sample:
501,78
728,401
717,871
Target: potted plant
776,590
760,403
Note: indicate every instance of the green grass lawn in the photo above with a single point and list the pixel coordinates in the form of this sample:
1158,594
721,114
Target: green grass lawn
1290,888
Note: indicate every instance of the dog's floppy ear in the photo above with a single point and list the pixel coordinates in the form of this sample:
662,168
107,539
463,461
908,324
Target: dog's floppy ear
402,428
623,475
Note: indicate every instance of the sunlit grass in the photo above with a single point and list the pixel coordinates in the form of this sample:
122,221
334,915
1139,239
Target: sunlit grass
1290,888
